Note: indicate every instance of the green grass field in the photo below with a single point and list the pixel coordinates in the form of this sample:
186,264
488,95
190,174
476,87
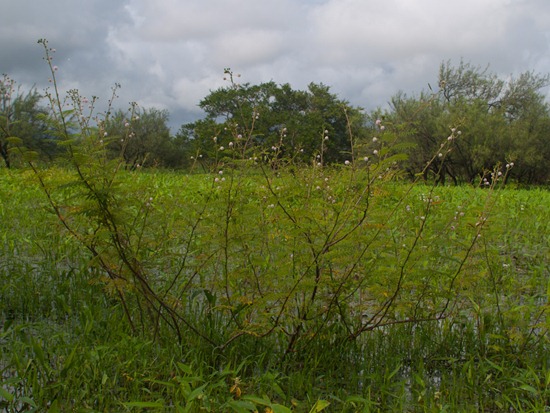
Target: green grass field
293,290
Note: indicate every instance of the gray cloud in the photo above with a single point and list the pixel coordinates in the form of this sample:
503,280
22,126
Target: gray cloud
170,53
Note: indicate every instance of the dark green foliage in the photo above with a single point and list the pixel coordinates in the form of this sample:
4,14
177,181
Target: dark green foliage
269,115
148,138
22,123
501,122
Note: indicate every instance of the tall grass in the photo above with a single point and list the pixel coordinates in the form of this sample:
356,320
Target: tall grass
64,339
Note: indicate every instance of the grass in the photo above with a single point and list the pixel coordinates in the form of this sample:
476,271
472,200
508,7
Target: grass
411,312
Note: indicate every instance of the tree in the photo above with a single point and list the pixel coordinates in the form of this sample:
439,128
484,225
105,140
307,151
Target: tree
501,121
149,142
22,118
301,124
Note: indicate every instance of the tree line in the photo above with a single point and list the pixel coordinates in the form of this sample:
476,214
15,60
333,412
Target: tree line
504,121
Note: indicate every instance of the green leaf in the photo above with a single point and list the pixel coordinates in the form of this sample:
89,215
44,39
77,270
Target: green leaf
185,368
6,394
354,400
241,406
54,407
14,140
69,361
196,393
319,406
258,400
279,408
38,351
27,400
393,373
528,388
210,297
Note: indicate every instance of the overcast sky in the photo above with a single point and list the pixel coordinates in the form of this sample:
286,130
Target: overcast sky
169,54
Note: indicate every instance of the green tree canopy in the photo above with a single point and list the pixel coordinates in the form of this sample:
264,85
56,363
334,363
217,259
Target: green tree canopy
302,124
501,120
22,118
148,137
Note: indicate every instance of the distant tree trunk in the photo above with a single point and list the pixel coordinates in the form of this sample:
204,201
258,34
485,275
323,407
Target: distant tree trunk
452,175
5,154
441,176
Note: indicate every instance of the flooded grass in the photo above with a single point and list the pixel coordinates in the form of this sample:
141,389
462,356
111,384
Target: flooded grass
67,346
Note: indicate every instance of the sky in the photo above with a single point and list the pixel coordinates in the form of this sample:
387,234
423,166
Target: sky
169,54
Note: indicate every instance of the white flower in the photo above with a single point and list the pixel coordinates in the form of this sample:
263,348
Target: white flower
346,162
375,139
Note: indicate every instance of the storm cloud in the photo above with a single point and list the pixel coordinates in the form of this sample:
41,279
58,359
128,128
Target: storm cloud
169,54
